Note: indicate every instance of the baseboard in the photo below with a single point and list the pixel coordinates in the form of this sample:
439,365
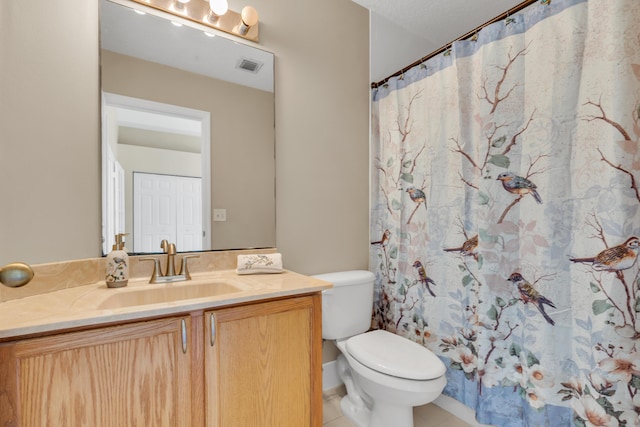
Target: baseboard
330,378
458,409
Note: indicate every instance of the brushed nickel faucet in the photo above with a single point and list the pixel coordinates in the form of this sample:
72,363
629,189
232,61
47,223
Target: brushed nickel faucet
169,275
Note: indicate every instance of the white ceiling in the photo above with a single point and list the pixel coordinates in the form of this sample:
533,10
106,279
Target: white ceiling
438,22
404,31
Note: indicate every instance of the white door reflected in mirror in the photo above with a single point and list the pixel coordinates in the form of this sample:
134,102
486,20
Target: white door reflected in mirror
166,207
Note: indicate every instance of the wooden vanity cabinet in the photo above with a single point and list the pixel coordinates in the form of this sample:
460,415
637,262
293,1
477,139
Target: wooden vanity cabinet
260,366
263,364
129,375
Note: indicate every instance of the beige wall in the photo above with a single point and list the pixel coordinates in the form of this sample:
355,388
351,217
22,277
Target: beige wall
49,131
322,131
49,85
242,141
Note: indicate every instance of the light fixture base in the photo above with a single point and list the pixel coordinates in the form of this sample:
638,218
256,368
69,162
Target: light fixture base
198,11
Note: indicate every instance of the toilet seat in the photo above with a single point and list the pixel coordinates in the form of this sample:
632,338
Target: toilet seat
394,355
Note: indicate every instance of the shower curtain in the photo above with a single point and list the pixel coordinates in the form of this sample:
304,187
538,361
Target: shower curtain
505,222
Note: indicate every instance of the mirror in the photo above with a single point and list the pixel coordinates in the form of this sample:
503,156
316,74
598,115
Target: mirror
188,135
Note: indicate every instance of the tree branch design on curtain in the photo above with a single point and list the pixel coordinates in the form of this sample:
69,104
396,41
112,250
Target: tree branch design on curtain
627,144
521,270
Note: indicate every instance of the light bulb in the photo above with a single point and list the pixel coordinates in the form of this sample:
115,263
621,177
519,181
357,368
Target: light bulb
249,16
219,7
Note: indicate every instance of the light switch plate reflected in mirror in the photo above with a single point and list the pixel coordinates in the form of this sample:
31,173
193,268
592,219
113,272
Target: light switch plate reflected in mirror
219,214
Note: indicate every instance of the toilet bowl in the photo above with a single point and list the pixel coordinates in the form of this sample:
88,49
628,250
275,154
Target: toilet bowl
385,374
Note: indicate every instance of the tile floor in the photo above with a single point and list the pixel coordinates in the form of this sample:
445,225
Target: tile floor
423,416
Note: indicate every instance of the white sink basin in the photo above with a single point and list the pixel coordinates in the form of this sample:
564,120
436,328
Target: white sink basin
166,294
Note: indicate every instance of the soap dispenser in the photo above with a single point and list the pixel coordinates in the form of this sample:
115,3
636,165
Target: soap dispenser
117,264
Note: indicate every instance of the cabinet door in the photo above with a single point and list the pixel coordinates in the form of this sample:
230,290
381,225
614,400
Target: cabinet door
263,364
128,375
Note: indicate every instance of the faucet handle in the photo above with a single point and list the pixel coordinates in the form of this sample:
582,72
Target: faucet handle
184,268
156,268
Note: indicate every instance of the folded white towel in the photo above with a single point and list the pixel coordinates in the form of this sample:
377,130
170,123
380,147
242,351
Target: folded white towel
259,264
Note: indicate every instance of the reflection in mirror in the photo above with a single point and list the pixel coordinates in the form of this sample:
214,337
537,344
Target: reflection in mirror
187,125
155,155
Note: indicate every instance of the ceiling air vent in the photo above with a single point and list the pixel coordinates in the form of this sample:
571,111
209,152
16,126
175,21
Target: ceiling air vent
249,65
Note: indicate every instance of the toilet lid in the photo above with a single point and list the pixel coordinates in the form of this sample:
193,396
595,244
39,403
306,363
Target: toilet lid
394,355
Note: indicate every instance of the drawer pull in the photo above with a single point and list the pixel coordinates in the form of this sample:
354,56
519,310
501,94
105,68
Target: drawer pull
184,336
213,330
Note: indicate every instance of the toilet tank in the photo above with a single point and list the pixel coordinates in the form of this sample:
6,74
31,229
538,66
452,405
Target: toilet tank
347,307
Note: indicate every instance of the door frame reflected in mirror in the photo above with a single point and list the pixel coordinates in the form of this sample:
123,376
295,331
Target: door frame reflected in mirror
142,105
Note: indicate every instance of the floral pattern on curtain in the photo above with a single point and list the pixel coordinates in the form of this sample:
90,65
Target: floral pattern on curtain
505,214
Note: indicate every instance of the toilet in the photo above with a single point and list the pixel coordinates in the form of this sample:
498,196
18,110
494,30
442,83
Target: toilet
385,374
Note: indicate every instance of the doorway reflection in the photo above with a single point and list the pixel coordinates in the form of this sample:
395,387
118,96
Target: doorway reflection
155,174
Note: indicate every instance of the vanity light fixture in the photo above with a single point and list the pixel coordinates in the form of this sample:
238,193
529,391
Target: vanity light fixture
212,13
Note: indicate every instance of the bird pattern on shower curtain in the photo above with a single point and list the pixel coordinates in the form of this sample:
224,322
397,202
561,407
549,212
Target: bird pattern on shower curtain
505,215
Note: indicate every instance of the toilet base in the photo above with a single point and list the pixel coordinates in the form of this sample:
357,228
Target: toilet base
358,415
380,415
386,415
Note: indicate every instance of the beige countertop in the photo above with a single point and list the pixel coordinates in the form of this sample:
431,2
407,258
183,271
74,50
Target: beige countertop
95,304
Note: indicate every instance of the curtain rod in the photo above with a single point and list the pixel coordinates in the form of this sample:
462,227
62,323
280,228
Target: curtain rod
466,36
